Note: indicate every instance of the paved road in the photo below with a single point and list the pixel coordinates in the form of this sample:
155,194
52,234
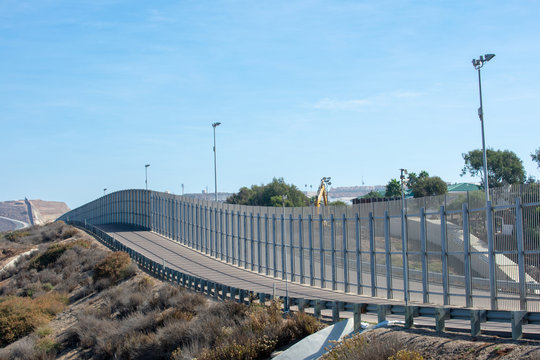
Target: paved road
192,262
18,224
179,257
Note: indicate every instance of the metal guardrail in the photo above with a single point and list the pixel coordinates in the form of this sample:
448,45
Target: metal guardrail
224,292
454,252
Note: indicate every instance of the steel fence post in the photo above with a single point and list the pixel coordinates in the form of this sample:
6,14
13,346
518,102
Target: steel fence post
266,252
491,257
372,260
444,257
388,249
321,249
333,251
347,286
467,255
405,252
310,235
359,289
425,274
301,248
521,260
291,242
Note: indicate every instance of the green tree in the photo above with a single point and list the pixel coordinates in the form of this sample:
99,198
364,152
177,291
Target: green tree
393,189
337,203
429,186
504,167
535,156
372,194
269,195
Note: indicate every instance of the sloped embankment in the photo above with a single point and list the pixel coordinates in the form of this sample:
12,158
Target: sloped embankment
104,307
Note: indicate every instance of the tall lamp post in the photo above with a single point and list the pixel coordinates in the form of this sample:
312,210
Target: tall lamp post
146,175
104,191
478,63
214,125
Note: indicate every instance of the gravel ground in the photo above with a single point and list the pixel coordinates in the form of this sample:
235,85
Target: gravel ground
433,345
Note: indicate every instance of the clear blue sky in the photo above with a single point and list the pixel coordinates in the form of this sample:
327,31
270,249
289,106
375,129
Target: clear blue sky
90,91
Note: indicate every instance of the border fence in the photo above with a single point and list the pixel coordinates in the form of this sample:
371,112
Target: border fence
454,250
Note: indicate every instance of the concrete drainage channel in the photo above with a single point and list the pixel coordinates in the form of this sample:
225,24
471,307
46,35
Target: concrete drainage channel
441,315
315,345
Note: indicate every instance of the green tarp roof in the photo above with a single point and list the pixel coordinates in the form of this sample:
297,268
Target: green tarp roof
463,187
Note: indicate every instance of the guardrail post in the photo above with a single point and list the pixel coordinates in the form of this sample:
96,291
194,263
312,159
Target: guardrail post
441,314
242,296
357,317
517,324
410,313
301,305
382,310
215,287
467,256
224,290
521,262
317,309
477,317
335,312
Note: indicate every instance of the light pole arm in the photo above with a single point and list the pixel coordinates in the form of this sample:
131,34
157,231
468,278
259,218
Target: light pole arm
481,116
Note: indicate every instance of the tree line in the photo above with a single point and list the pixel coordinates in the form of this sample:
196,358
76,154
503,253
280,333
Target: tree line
504,167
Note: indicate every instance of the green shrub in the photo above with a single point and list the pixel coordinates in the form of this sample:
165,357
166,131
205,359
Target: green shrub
53,253
115,267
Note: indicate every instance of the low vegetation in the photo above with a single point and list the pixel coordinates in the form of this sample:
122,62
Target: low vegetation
122,312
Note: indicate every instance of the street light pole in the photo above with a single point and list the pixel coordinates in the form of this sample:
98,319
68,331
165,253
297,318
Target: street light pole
146,175
214,125
478,63
104,191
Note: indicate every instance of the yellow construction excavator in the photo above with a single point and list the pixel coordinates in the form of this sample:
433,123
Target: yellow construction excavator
322,192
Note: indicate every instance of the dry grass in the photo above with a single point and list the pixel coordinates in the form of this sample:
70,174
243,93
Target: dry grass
367,346
19,316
